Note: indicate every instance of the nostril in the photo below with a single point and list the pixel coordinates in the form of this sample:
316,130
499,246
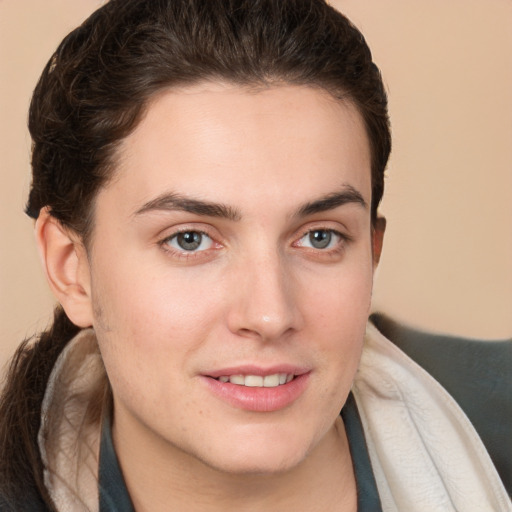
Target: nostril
249,333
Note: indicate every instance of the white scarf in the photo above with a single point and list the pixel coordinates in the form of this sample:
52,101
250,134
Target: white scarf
425,454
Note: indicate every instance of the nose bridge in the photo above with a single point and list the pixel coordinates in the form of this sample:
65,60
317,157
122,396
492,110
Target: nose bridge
265,304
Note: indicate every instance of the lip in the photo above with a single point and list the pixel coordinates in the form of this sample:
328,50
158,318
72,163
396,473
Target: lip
257,370
258,399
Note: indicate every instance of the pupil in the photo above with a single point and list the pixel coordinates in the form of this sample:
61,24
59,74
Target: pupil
320,239
189,240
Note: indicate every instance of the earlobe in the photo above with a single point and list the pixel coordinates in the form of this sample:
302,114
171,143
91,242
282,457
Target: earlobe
66,266
378,231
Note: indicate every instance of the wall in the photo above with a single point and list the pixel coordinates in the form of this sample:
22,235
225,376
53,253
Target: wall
448,68
447,261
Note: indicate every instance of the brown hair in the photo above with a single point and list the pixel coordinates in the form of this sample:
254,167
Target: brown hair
93,92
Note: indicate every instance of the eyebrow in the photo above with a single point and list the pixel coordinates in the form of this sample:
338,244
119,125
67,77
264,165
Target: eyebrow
177,202
173,202
348,195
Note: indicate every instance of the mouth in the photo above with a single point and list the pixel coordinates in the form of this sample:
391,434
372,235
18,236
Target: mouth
257,390
258,381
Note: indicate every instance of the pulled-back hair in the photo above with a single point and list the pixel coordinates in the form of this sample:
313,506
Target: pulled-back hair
94,91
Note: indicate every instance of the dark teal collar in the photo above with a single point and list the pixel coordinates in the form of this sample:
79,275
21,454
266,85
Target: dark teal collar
115,498
367,495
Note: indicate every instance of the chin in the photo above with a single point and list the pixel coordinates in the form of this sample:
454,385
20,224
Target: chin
270,454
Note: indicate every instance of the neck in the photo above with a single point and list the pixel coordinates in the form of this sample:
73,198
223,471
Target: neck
323,481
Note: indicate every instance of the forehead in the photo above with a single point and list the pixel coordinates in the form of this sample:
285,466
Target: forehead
222,142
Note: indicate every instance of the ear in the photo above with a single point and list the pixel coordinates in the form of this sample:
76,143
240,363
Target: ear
66,265
378,230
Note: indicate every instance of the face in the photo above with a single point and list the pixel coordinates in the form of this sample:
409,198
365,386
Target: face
231,273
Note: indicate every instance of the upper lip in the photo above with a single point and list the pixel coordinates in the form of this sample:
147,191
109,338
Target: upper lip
248,369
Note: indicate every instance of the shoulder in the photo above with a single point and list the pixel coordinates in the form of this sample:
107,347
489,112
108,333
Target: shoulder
477,375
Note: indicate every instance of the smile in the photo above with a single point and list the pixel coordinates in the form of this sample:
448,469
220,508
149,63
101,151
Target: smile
258,390
257,381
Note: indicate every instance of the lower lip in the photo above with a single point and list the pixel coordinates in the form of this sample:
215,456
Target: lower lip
259,399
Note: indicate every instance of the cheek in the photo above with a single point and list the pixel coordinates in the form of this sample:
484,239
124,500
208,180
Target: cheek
337,310
143,299
148,324
341,298
147,328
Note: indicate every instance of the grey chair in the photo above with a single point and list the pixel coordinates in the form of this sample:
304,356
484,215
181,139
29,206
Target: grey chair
477,373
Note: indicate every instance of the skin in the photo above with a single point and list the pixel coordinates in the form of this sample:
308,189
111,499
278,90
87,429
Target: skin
256,291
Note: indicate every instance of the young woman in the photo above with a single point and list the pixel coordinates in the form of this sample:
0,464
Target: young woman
206,179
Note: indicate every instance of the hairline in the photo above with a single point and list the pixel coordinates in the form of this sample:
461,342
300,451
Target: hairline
253,86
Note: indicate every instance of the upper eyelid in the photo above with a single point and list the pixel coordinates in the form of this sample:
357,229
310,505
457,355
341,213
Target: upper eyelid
213,233
180,231
342,232
169,232
331,230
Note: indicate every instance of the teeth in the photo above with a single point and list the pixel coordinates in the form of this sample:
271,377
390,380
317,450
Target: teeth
253,381
271,381
257,381
237,379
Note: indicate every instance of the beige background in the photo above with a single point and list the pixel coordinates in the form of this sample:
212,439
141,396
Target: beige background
447,262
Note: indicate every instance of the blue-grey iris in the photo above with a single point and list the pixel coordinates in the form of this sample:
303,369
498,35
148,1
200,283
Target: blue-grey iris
320,239
189,240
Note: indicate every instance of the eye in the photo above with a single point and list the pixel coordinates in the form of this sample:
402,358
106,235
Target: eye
320,239
190,241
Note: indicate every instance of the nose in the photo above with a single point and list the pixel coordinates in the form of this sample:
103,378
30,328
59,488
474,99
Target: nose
264,304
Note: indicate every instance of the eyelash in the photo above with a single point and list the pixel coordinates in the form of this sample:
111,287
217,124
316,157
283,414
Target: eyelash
340,245
182,253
